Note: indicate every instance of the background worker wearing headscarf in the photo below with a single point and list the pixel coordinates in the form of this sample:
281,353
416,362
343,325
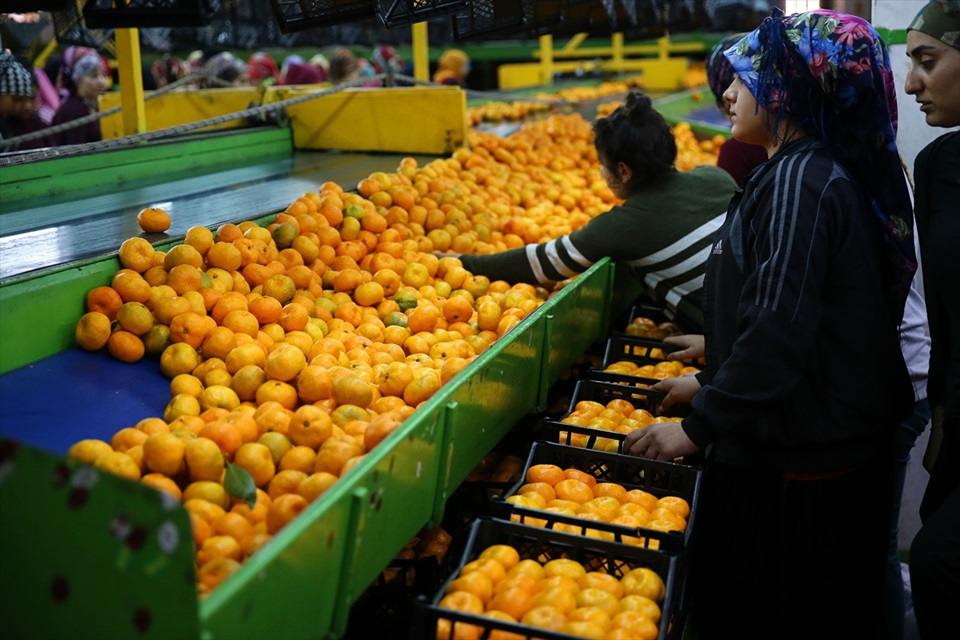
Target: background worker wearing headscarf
452,68
933,45
15,90
83,74
263,69
226,70
807,276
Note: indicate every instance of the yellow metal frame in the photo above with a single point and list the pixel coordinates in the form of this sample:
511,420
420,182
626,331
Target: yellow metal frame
131,81
427,120
175,108
661,72
180,108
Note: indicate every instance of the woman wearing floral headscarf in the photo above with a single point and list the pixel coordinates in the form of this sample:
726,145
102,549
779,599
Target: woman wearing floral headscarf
933,44
83,74
805,383
735,157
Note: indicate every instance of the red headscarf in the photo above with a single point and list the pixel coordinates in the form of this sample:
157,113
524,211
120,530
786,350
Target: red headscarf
263,67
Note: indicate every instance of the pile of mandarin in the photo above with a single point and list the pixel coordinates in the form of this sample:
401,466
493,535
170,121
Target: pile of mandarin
560,595
295,347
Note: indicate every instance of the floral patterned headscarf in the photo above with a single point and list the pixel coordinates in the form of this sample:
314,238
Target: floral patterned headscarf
77,63
720,72
830,74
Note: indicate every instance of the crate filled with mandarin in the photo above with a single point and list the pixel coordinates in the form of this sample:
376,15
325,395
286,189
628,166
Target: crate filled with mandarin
652,321
623,499
639,362
516,581
602,412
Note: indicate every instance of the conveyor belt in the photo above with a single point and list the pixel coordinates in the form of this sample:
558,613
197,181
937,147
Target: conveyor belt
58,232
54,233
96,396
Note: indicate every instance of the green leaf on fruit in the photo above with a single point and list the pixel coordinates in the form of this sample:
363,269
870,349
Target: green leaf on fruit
239,483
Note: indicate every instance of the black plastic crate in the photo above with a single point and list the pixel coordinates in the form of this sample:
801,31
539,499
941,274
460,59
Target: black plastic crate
659,315
593,17
398,13
69,27
494,18
542,16
488,18
544,545
26,6
621,346
658,478
385,609
298,15
132,14
601,387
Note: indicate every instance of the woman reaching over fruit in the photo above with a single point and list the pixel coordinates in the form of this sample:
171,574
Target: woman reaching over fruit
809,271
663,230
933,44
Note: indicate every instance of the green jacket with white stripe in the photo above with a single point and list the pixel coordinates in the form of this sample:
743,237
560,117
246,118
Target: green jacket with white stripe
664,232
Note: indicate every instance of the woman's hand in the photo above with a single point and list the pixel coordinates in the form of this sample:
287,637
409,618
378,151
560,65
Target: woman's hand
660,441
692,343
679,391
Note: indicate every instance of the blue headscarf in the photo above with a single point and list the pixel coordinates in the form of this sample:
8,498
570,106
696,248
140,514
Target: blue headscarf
830,74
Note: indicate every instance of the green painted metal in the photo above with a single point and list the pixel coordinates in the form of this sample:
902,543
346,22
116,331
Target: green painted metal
577,319
312,572
88,554
39,312
304,582
289,588
676,107
393,493
38,315
151,163
501,387
892,36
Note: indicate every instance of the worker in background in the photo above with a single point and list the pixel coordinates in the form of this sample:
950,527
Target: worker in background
735,157
453,67
15,91
83,75
302,73
167,69
344,66
264,71
226,70
663,230
321,62
26,119
386,60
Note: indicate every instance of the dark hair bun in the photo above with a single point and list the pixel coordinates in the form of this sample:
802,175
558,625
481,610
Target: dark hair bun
637,135
637,104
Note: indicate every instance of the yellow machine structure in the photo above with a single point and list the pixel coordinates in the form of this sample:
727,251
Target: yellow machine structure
661,72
